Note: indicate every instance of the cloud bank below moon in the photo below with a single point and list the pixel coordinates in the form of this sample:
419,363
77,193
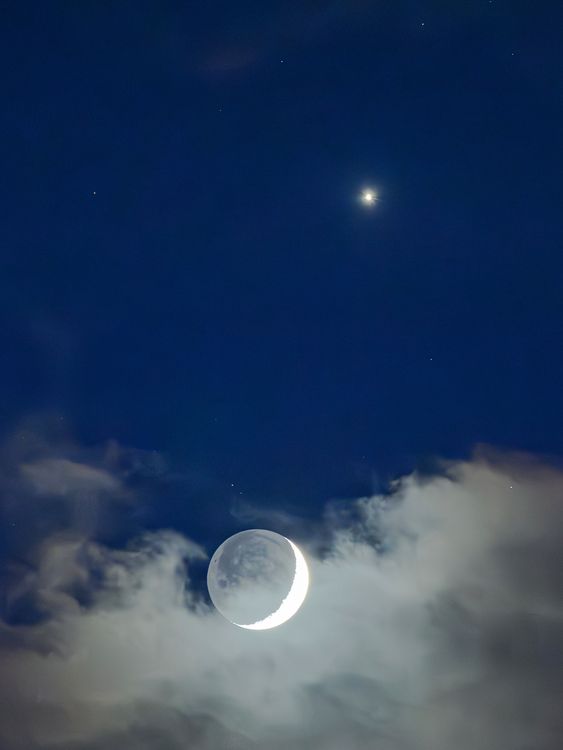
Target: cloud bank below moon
434,619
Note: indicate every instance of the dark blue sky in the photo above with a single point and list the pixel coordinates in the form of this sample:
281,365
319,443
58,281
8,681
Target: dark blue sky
186,267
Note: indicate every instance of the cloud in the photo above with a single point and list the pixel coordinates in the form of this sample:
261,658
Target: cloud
434,619
49,484
239,44
60,476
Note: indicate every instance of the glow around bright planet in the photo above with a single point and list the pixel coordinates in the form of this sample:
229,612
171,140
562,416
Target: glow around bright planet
258,579
368,197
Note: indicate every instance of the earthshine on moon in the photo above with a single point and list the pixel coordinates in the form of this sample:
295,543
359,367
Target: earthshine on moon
258,579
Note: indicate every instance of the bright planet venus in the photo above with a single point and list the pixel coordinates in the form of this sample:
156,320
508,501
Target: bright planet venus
368,197
258,579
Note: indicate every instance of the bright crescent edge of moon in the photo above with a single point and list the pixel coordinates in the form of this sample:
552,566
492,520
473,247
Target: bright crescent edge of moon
292,602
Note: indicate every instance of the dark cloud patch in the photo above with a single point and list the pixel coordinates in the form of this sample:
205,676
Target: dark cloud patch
50,484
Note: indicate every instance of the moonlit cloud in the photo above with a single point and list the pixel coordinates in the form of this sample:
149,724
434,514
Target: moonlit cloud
62,477
434,619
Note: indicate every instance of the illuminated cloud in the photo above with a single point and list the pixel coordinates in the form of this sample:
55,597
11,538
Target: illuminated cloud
433,620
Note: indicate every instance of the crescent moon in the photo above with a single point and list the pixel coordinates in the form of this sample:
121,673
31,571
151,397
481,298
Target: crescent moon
292,601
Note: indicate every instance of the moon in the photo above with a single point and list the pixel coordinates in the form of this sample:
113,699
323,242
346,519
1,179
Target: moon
258,579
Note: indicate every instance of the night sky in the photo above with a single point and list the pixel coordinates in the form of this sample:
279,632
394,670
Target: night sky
204,329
